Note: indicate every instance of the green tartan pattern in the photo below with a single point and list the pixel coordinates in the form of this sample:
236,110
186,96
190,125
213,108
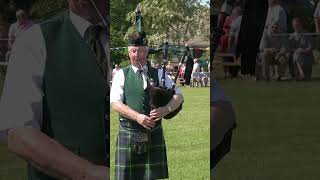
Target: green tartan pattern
148,166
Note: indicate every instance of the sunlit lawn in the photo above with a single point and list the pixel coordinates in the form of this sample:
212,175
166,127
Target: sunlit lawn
278,136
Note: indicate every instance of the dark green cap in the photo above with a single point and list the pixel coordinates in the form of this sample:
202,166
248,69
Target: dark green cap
138,40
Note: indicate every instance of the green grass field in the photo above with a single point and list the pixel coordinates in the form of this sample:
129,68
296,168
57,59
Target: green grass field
278,135
187,139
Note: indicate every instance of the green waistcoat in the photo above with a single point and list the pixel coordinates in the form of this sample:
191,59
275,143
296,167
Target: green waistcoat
76,94
135,96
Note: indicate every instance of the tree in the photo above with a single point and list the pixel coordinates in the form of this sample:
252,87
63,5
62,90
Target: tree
119,26
175,20
44,9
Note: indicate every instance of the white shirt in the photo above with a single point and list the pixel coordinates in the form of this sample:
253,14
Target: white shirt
235,28
21,100
116,93
196,67
277,14
15,29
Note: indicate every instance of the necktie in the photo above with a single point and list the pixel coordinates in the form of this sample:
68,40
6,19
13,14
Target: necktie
92,38
140,75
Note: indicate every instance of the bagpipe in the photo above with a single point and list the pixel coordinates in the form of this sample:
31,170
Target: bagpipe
160,95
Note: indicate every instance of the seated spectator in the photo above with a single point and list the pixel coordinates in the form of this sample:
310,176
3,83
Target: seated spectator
301,47
273,53
204,77
22,24
225,40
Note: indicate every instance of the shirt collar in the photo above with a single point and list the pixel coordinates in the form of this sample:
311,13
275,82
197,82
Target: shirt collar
80,23
135,69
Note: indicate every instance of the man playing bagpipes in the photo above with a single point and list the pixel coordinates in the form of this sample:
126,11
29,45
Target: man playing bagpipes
140,147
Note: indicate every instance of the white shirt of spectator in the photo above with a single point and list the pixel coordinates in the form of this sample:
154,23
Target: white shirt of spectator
196,67
277,14
235,29
21,100
116,93
16,29
317,11
115,70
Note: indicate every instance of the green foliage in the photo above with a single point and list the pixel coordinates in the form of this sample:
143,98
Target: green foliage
125,63
119,26
44,9
174,20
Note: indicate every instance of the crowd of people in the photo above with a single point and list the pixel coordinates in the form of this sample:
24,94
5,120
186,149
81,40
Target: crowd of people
8,34
199,76
282,54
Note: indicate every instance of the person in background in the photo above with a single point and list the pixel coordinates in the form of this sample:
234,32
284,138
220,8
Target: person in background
157,66
235,30
316,17
233,40
225,39
204,77
169,67
273,50
195,72
116,69
300,51
23,23
276,14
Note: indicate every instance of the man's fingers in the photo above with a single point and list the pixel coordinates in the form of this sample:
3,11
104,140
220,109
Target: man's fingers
146,127
154,114
157,119
150,123
148,118
154,117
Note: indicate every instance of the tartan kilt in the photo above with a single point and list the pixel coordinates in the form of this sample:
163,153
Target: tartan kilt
148,166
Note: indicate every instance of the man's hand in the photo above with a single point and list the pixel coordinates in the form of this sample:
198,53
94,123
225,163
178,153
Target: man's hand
97,173
145,121
159,113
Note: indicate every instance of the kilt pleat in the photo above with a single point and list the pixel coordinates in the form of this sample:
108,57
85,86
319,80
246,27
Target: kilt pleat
148,166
